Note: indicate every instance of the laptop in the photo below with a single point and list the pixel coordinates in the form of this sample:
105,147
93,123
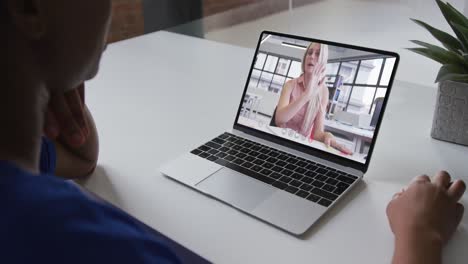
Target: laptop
274,164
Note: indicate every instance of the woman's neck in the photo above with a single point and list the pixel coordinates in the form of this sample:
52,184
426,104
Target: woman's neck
22,111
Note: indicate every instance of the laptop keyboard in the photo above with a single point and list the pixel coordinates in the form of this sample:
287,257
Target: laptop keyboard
304,178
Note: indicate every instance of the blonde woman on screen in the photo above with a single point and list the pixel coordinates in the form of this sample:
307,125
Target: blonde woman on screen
303,101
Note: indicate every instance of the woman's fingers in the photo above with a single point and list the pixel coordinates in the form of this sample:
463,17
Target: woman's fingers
76,107
69,127
420,179
456,190
442,179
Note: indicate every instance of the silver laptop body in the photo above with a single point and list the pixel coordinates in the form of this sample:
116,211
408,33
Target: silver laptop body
292,203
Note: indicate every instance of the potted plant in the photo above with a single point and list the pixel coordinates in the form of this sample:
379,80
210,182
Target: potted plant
450,121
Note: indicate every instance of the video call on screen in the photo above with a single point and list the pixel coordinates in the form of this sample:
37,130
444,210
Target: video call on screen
317,94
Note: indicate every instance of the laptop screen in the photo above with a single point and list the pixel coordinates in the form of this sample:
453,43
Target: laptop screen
326,97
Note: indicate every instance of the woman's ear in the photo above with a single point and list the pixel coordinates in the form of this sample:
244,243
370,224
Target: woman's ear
27,16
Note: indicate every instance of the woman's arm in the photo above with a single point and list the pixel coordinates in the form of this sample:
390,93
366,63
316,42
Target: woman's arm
76,162
319,126
319,123
285,109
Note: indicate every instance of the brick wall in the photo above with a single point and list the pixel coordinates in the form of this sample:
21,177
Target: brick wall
211,7
127,20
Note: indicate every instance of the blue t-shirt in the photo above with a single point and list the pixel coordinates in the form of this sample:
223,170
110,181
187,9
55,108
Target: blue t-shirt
45,219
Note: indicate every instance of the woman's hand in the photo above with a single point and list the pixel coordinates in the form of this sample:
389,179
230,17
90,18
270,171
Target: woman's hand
316,79
329,141
66,119
427,208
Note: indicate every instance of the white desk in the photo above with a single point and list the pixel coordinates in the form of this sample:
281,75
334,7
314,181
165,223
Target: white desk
359,135
153,100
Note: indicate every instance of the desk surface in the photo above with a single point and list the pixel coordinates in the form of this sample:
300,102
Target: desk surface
154,99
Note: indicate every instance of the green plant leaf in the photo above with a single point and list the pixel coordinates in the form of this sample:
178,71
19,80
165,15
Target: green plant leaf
446,39
452,72
460,16
439,54
454,17
463,31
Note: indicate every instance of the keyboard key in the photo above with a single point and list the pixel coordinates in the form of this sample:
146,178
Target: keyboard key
312,197
332,181
339,190
287,172
247,145
292,160
328,188
296,176
300,170
274,154
324,194
291,189
345,179
318,184
264,150
321,171
224,136
302,194
238,161
196,151
213,151
332,174
351,176
301,164
324,202
213,145
285,179
247,165
311,167
321,178
267,165
266,172
256,168
232,152
212,158
254,153
277,168
280,185
237,147
275,175
204,148
249,158
295,183
306,187
204,155
307,180
258,162
241,155
219,141
281,163
272,160
245,150
262,156
256,148
291,167
283,157
228,145
342,185
230,158
310,174
224,149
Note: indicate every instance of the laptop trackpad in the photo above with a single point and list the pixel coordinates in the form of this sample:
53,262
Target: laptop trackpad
237,189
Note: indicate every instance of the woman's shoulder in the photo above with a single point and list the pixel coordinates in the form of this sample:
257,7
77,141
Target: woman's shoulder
289,84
